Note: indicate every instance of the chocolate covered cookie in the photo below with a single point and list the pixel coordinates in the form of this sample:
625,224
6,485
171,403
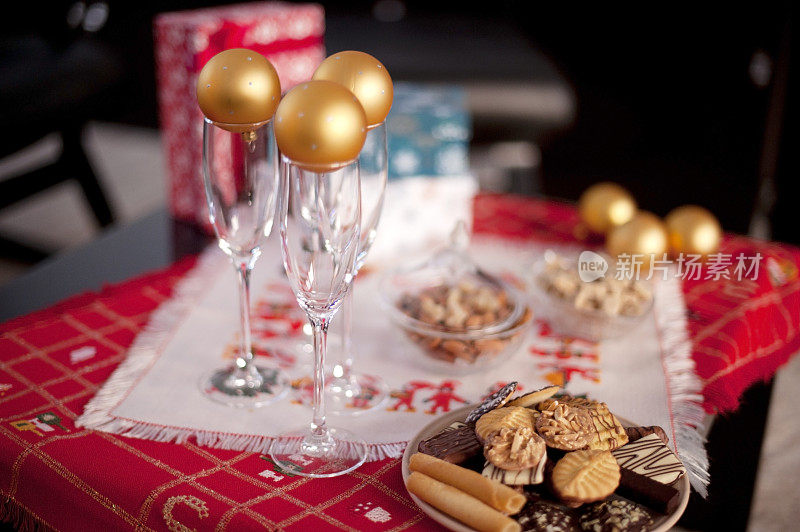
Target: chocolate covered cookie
649,456
615,515
455,444
651,493
545,515
637,433
496,400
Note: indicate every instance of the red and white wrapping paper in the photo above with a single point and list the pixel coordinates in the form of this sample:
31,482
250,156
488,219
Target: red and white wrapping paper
290,36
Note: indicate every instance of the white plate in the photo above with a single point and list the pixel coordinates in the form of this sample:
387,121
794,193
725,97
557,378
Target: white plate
661,524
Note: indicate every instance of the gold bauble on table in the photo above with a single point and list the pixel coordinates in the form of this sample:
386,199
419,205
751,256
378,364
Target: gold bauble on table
238,88
320,125
364,76
693,230
645,234
606,205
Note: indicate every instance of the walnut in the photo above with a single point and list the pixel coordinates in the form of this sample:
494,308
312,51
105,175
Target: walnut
564,427
514,449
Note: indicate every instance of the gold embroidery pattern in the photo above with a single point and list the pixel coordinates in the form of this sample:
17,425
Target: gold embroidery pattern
189,500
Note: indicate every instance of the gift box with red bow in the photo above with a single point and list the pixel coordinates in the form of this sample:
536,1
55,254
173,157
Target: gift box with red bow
289,35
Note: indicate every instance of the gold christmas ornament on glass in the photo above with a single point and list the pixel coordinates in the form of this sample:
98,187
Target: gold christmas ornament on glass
320,126
364,76
645,234
693,230
606,205
238,88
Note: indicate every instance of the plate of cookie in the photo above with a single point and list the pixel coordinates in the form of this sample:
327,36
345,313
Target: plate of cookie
544,460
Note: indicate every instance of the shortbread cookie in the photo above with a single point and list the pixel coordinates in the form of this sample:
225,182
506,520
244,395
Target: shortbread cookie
535,397
511,417
585,476
649,456
514,449
496,400
564,427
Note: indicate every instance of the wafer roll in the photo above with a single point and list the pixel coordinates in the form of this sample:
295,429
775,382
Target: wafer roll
491,492
459,505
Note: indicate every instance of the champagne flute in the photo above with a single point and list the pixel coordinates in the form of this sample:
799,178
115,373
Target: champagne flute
240,174
320,216
349,392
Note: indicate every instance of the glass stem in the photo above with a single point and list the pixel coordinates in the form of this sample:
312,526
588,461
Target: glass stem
244,358
344,366
320,326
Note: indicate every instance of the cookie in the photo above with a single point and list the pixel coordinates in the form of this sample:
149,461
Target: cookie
585,476
511,417
545,515
649,456
455,444
637,433
535,397
609,434
615,515
565,427
514,449
496,400
523,477
644,490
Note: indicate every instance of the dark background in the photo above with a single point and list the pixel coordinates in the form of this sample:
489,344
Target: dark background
666,104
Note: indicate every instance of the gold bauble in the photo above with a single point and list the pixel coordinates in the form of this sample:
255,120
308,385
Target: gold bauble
604,206
238,88
320,125
365,77
645,235
693,230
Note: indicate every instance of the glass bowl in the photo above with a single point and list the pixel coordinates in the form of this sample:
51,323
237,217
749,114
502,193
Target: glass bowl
452,315
565,318
458,352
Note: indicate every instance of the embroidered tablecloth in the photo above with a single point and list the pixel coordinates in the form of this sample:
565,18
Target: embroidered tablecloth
52,362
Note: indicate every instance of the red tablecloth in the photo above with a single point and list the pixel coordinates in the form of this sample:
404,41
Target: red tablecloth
53,361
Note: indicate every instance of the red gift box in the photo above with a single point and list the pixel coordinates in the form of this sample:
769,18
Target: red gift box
289,35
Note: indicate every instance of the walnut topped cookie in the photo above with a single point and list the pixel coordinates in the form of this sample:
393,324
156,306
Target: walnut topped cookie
608,434
565,427
514,449
512,417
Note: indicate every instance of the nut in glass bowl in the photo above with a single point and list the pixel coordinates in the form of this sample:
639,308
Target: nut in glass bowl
456,349
594,310
452,315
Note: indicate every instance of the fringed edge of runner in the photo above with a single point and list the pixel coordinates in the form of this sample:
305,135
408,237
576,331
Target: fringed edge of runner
684,387
20,518
97,414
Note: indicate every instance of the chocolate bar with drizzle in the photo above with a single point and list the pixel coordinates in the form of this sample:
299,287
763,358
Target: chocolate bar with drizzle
649,456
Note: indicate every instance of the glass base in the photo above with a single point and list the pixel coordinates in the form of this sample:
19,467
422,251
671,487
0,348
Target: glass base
264,386
301,452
